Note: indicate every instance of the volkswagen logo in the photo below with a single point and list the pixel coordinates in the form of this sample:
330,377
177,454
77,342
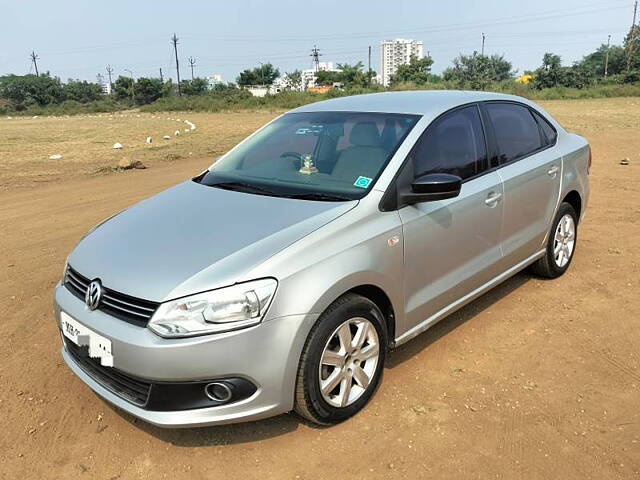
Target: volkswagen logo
94,295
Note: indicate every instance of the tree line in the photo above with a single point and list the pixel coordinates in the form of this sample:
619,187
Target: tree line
616,64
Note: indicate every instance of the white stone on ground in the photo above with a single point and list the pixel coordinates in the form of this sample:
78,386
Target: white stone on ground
117,146
167,137
57,156
149,140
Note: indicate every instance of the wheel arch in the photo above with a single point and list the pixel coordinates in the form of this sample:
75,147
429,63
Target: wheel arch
574,199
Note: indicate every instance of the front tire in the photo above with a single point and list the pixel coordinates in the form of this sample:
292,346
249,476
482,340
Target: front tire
560,244
342,361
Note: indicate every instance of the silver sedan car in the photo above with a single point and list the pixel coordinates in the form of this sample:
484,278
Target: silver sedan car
279,278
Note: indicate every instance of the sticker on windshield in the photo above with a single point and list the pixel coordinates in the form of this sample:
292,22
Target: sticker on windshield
362,182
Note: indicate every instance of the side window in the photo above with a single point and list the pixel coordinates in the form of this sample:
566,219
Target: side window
517,132
549,132
452,144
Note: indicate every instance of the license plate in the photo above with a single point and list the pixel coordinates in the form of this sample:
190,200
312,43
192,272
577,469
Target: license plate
99,346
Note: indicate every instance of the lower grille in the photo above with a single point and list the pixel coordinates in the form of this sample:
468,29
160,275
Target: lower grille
131,389
130,309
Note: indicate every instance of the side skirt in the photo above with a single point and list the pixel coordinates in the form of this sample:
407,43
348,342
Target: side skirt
461,302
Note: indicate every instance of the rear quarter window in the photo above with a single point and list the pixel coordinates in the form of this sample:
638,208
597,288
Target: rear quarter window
549,132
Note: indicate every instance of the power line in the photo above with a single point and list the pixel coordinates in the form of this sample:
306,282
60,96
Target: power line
174,39
34,59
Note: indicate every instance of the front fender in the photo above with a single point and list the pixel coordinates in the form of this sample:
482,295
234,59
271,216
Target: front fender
351,251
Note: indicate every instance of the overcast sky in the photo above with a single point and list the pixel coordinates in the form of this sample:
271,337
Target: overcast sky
77,39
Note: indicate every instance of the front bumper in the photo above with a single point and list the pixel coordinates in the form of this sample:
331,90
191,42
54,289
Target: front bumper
266,354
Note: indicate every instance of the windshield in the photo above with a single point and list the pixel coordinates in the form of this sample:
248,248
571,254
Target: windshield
314,155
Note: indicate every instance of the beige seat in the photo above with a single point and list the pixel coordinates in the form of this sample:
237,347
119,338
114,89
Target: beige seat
364,157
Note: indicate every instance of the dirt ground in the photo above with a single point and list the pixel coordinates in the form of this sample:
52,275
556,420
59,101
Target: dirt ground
536,379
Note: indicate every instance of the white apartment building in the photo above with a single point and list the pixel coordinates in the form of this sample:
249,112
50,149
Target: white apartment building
394,53
309,75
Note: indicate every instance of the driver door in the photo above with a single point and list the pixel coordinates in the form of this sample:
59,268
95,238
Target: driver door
452,246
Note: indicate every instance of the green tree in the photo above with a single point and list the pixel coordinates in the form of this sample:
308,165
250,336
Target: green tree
197,86
553,74
23,91
418,71
550,73
293,80
478,71
265,74
82,91
224,87
147,90
595,61
123,89
326,77
632,45
350,76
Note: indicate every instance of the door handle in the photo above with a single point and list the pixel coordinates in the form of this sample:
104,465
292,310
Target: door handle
553,171
492,199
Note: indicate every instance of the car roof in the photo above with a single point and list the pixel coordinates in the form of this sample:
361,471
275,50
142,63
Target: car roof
417,102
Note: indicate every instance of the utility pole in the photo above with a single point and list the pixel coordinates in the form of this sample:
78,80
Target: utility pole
261,73
192,63
315,54
34,59
482,51
174,39
606,57
132,85
632,36
369,71
110,71
161,77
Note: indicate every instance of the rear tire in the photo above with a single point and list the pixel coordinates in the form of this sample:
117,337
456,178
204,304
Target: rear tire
342,361
560,244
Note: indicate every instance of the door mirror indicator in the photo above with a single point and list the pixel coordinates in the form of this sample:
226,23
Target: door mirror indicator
434,186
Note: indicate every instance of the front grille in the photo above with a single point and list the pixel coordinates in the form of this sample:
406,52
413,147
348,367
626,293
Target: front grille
130,309
131,389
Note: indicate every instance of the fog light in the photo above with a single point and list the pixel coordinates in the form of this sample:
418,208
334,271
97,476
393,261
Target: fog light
218,392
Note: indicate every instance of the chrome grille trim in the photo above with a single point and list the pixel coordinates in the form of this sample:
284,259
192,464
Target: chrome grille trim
125,307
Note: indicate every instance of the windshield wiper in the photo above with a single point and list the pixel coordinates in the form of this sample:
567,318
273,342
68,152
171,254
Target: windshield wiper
245,187
319,196
251,188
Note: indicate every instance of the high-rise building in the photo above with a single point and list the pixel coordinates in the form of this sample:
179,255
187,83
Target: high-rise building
394,53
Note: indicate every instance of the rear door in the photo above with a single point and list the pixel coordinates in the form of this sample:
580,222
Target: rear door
530,170
451,246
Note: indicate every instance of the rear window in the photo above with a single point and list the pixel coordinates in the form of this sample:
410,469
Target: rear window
516,130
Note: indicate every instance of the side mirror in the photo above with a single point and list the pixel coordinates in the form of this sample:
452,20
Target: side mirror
434,186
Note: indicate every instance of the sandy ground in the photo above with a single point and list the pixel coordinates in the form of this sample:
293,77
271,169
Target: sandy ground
536,379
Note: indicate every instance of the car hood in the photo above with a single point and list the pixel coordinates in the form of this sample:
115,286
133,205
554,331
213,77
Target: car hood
191,238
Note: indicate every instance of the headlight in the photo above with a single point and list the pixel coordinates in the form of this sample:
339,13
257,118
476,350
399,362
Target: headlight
230,308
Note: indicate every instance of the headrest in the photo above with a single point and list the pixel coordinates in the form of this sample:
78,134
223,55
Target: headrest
365,134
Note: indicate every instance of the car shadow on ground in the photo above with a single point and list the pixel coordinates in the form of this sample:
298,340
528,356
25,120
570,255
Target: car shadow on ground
272,427
453,321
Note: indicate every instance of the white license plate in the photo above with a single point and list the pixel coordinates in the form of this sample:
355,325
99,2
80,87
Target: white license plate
99,347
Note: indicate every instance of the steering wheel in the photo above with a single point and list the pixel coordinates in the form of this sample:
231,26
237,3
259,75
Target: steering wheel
296,155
